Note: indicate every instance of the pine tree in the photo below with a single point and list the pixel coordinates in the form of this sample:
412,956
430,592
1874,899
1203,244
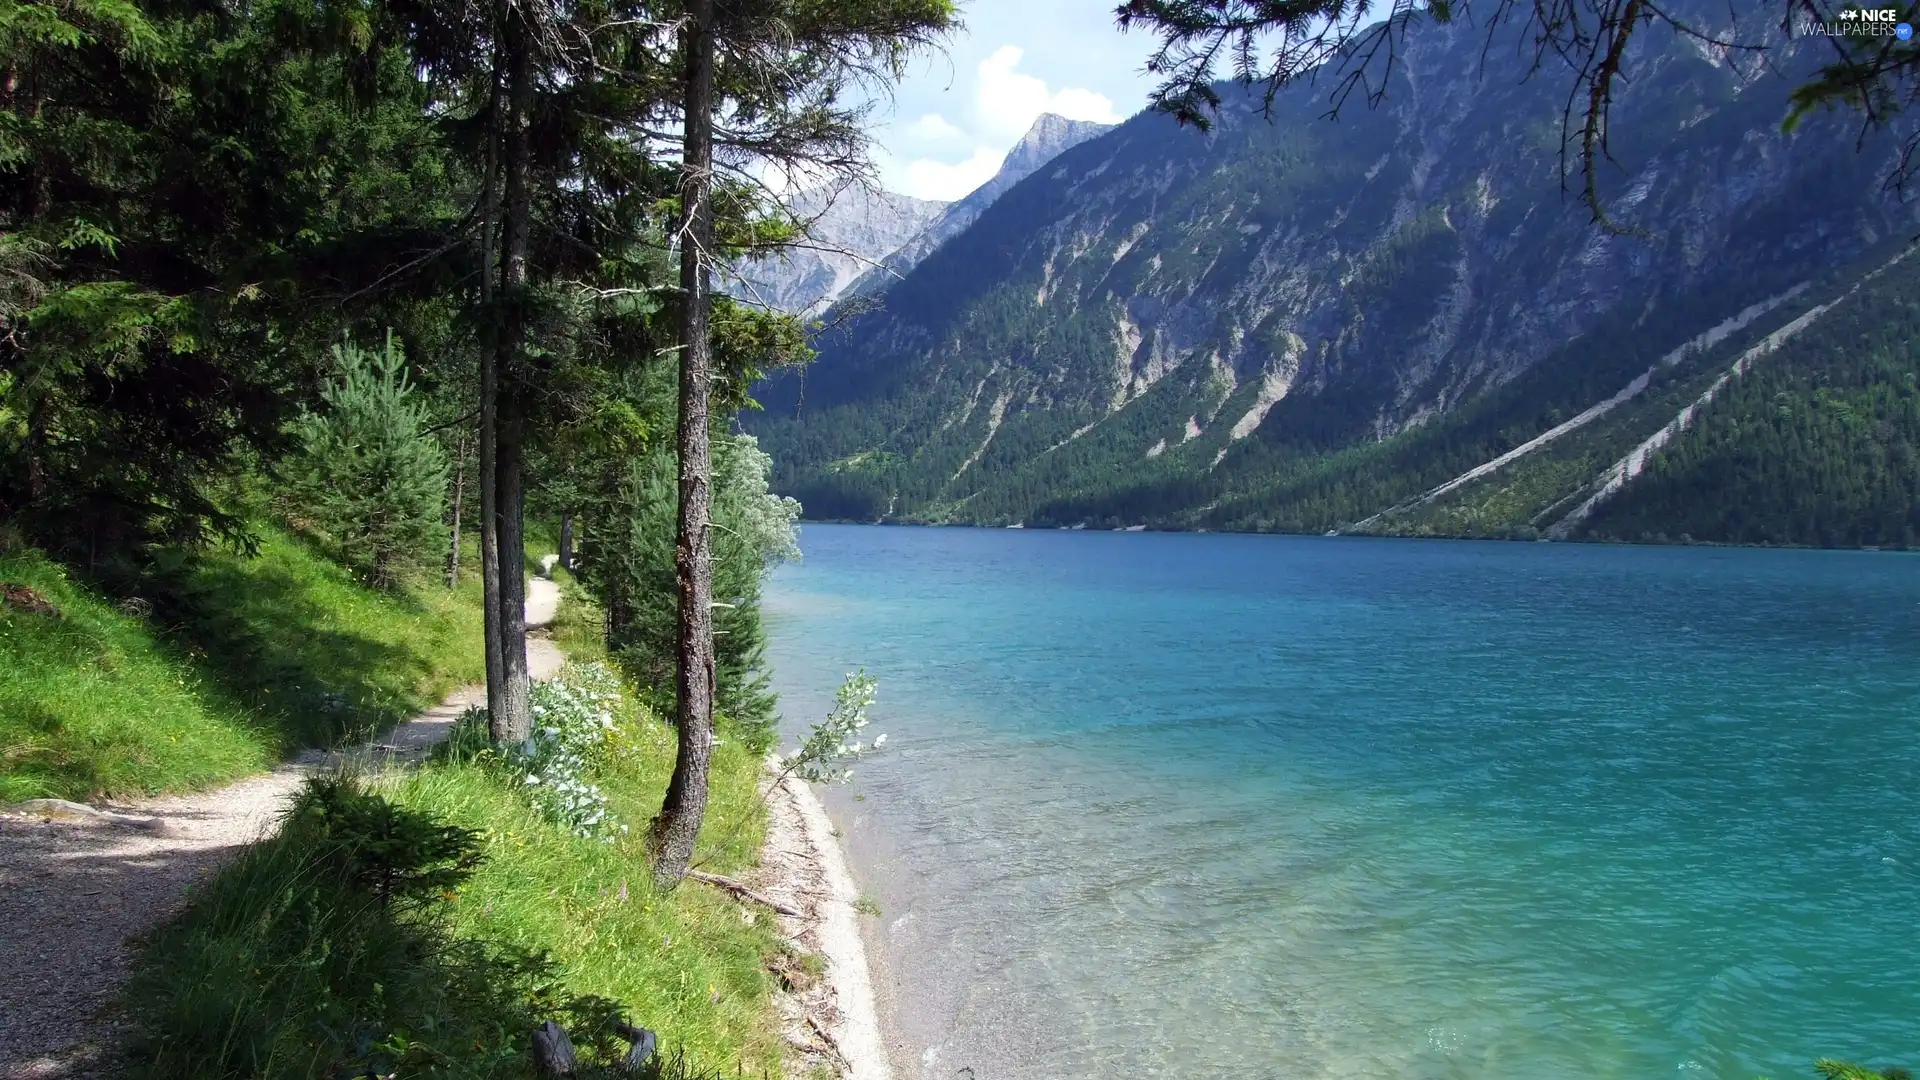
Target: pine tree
627,558
368,474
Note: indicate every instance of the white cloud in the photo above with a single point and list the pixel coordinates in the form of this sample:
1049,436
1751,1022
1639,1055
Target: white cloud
1077,104
925,178
1006,102
935,128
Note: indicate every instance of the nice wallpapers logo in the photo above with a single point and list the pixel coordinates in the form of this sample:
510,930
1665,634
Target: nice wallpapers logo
1863,22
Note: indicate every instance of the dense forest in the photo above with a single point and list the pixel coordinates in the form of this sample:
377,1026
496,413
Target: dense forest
318,322
420,270
1817,444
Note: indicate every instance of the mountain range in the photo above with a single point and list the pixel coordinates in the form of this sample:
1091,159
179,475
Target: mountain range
1400,320
849,229
860,238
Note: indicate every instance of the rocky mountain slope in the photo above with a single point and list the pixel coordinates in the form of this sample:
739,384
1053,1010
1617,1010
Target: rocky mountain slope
1313,324
851,228
864,238
1048,138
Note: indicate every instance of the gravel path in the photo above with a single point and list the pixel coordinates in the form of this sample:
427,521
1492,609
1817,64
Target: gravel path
75,886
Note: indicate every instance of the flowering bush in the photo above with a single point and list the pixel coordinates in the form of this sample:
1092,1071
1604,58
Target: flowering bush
574,717
833,742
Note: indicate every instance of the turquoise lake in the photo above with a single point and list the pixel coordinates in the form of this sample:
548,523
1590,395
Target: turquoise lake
1160,805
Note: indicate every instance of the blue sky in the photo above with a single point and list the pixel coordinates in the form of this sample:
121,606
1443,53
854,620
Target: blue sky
956,115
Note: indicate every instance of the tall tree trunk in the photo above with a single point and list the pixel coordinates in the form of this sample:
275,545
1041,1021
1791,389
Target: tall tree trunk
566,541
515,718
678,825
459,490
489,418
37,447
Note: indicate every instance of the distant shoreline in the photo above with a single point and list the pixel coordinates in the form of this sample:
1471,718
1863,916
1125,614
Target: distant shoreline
1879,549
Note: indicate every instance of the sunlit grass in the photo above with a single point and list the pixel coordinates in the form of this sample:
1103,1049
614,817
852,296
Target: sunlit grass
210,668
284,967
94,702
692,965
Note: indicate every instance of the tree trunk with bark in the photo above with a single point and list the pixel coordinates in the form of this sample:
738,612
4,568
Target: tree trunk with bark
513,722
566,542
459,491
678,825
489,401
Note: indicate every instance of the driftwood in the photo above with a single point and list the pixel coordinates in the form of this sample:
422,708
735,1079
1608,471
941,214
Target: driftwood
552,1050
744,893
826,1036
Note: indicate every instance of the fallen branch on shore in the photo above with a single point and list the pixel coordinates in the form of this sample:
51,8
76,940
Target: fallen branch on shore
826,1036
744,893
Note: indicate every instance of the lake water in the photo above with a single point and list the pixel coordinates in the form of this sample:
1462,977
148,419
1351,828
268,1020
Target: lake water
1231,806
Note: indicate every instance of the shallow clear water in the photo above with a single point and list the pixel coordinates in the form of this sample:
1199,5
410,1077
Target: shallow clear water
1227,806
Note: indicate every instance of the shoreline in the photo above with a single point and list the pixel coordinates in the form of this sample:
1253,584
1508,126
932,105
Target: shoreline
832,1019
1336,534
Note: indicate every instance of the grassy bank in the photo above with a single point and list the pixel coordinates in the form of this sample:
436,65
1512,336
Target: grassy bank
292,964
691,964
417,923
205,669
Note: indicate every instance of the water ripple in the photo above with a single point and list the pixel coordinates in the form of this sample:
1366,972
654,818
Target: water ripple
1206,806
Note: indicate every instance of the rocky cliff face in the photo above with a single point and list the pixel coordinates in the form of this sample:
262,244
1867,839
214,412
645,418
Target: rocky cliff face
1048,138
851,229
856,231
1166,328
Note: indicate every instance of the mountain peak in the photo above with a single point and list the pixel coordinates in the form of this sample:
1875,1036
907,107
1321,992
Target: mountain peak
1050,135
853,225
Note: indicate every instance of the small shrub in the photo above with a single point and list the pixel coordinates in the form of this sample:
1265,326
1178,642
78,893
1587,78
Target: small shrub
368,474
391,853
834,742
574,716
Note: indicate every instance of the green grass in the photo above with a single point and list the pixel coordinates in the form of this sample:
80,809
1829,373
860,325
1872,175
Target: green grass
692,964
578,626
94,702
322,953
278,971
237,662
287,963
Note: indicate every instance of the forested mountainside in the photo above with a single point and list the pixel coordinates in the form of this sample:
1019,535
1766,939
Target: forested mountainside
1396,321
1817,444
850,227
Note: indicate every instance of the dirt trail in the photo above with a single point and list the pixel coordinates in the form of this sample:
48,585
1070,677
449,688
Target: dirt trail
75,887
